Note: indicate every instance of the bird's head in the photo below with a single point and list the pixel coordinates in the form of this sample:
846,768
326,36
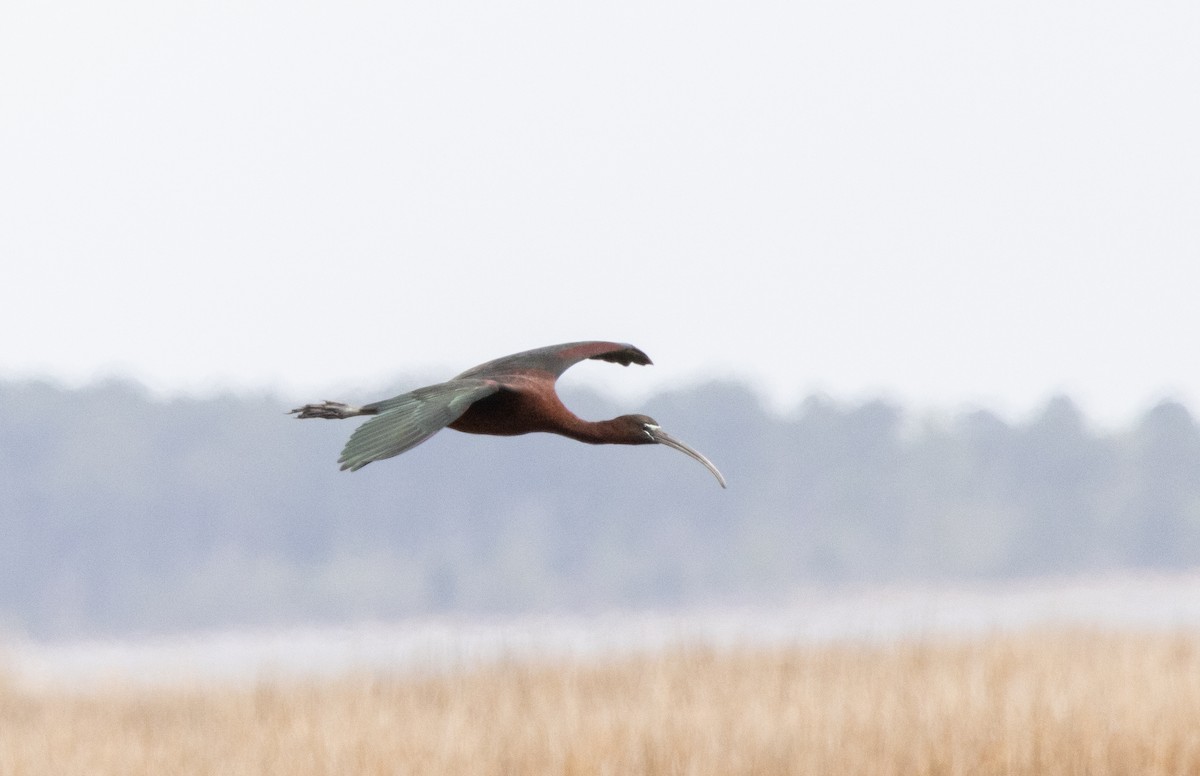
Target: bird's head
644,430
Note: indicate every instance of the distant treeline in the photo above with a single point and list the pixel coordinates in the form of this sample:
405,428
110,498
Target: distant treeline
120,513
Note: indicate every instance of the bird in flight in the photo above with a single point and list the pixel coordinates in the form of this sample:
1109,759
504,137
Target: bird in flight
505,397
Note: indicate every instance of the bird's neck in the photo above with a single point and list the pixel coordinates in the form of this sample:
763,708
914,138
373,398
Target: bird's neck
599,432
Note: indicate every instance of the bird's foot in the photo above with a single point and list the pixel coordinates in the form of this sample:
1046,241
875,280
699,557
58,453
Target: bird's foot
330,410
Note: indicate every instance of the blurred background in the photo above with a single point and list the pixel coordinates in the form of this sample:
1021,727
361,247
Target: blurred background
919,278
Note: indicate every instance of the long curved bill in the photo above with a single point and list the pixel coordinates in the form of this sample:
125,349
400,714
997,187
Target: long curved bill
663,438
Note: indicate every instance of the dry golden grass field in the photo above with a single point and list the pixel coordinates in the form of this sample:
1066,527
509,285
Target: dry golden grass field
1048,702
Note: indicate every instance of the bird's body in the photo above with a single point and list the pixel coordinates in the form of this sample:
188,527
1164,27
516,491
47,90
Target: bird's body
505,397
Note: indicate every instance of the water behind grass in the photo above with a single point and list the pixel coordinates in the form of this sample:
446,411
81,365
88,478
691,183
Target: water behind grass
445,643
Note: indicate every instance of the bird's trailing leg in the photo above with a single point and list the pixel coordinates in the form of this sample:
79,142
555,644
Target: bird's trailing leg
330,410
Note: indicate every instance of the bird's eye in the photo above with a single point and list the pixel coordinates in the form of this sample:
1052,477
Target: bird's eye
649,428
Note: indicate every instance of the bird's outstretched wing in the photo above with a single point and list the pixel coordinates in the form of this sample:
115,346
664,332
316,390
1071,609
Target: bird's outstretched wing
407,420
556,359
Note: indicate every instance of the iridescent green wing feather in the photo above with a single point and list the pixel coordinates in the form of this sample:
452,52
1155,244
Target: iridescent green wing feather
409,419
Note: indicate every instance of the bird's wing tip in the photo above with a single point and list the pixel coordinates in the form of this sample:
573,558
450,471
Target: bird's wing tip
622,353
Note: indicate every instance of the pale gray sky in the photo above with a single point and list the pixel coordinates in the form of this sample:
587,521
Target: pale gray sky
942,202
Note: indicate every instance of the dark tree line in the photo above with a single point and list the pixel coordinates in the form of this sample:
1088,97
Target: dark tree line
120,513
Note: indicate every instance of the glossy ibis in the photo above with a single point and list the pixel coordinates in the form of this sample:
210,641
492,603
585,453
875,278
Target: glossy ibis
509,396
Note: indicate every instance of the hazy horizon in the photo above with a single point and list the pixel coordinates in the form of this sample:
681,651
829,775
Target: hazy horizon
609,392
